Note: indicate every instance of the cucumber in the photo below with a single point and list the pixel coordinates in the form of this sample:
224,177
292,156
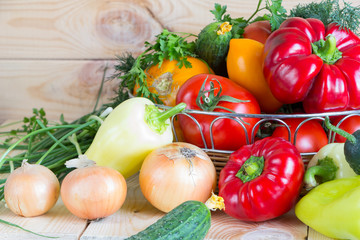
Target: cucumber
352,152
213,47
189,220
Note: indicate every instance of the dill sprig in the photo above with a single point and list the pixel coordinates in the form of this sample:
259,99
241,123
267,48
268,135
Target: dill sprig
330,11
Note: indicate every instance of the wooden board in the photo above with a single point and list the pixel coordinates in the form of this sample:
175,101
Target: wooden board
68,87
135,215
52,51
92,29
58,222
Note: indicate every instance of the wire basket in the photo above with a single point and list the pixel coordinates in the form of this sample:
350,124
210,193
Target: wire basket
220,157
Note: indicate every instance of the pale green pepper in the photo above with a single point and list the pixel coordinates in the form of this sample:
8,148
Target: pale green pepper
129,133
327,164
333,208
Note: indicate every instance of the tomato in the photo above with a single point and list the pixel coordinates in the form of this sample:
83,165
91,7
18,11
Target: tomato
244,66
310,137
350,125
258,31
228,134
167,79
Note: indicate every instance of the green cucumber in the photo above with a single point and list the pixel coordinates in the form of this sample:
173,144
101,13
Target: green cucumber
190,220
351,146
352,152
213,47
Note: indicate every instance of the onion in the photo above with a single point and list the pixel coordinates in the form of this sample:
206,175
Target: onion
93,192
175,173
31,190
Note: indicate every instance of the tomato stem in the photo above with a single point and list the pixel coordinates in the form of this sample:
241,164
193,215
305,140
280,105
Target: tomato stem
208,101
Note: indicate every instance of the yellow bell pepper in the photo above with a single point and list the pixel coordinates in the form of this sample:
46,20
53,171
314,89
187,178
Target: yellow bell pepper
333,208
244,66
129,133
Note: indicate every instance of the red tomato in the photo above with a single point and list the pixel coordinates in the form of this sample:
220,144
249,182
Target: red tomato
258,31
350,125
310,137
227,133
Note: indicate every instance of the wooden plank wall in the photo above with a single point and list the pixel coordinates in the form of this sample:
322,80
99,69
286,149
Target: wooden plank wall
53,52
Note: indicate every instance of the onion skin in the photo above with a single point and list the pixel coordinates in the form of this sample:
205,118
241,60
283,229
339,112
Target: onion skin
167,178
93,192
31,190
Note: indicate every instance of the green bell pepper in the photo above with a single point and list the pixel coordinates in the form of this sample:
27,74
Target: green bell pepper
333,208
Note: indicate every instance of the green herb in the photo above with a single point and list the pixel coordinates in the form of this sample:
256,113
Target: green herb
26,230
219,13
132,71
47,142
330,11
277,14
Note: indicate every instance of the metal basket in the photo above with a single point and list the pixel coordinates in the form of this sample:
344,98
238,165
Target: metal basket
220,157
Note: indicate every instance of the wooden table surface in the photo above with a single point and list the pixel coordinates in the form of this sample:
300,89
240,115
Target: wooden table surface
136,214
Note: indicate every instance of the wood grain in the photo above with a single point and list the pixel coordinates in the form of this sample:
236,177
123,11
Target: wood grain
58,222
314,235
137,214
73,29
68,87
94,29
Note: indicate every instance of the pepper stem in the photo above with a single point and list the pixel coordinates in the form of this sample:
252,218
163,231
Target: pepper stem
339,131
156,119
324,171
327,49
251,169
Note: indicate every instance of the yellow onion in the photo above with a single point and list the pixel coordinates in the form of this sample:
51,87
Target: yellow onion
31,190
175,173
93,192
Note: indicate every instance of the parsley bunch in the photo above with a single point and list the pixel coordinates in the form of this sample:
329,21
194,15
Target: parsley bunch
132,71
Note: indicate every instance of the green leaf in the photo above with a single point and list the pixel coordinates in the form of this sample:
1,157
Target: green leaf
218,12
278,13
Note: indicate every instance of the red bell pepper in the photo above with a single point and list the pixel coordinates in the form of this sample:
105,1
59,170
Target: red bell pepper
304,61
261,181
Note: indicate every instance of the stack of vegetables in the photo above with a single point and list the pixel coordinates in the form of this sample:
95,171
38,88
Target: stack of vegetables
179,98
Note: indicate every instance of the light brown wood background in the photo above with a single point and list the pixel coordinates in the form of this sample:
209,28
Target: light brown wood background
53,52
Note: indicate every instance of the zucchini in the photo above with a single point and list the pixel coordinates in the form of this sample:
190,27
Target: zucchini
189,220
212,45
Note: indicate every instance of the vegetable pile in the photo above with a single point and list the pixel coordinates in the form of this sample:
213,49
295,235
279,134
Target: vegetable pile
267,90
